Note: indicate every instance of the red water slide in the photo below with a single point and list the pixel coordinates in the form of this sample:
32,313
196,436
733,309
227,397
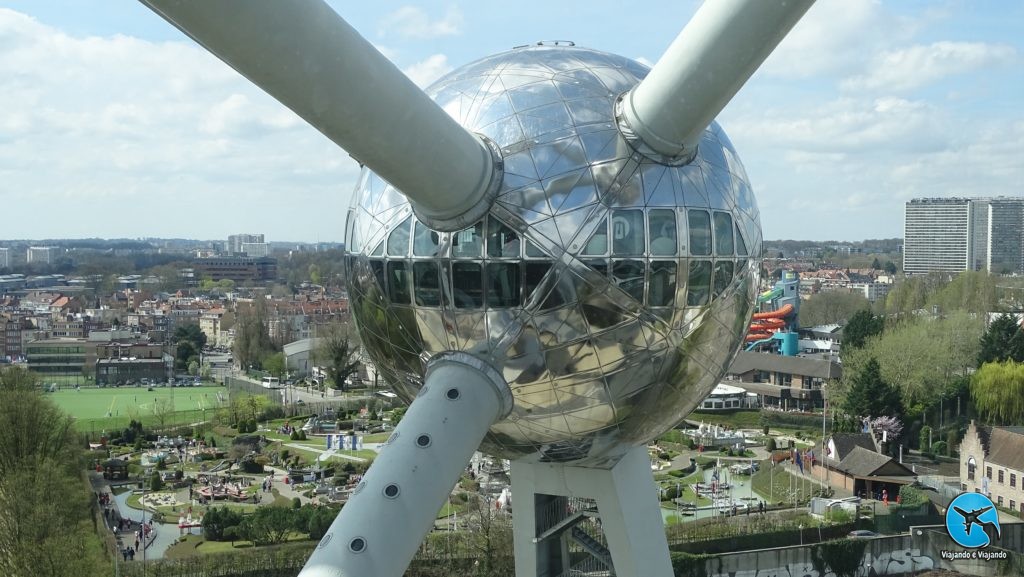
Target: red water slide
763,325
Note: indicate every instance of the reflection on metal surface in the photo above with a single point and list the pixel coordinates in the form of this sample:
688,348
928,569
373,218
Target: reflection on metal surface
613,291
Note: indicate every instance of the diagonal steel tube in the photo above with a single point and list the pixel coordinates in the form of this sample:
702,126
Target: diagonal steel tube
710,60
306,56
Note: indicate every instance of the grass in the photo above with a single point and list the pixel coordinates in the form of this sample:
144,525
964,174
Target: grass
450,509
97,409
774,483
745,419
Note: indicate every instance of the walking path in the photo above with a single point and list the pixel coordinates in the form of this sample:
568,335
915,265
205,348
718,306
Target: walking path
322,451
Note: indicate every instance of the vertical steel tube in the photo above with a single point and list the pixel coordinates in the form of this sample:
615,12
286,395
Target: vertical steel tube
702,70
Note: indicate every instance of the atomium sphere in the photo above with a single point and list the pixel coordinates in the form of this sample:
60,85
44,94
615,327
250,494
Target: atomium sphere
610,290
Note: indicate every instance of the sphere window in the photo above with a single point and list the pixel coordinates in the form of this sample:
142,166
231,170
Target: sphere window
423,441
398,241
597,245
663,232
468,285
502,241
424,241
699,285
662,288
629,276
533,274
391,491
534,251
399,289
502,284
357,545
628,233
453,394
377,266
700,232
723,234
723,276
468,243
741,247
427,283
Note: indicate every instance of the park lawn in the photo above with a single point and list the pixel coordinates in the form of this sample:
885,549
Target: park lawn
193,545
450,509
779,479
748,419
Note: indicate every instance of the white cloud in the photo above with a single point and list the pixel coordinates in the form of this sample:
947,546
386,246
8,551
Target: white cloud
832,38
412,22
426,71
153,138
908,68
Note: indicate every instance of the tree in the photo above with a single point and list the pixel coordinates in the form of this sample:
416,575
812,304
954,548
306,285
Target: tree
267,525
217,521
185,354
1002,341
861,326
831,307
875,264
275,364
252,336
156,482
926,359
338,352
998,392
163,408
890,267
924,439
870,395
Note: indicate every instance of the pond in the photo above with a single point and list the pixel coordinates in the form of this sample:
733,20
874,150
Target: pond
166,533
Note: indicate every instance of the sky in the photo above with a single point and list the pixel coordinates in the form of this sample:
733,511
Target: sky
113,124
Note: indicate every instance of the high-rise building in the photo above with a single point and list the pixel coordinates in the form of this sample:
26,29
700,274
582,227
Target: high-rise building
5,257
256,249
43,254
235,242
955,234
1005,236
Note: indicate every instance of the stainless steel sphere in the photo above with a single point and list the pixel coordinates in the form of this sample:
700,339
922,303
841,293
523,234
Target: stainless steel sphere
610,290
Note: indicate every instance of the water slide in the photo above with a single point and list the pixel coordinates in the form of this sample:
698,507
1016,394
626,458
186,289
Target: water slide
764,325
769,295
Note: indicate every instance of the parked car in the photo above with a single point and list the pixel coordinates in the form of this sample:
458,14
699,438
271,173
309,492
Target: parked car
861,534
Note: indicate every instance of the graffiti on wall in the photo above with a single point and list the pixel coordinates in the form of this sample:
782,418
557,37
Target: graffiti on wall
889,563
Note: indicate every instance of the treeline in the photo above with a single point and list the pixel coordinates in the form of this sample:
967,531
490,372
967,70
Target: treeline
48,524
928,359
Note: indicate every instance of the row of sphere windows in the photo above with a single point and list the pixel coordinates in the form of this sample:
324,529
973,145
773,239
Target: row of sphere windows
633,232
497,284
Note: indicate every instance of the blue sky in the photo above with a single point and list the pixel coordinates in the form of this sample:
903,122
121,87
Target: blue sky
113,124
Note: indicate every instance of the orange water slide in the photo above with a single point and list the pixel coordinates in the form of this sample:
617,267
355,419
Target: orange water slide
785,311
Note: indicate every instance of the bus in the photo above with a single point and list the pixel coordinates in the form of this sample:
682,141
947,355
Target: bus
271,383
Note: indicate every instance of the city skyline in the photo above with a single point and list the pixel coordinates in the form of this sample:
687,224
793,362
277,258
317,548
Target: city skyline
130,130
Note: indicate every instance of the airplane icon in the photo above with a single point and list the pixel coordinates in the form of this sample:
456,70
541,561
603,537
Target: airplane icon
971,519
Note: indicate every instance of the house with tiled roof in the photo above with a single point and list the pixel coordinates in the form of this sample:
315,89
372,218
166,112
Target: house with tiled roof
855,464
992,463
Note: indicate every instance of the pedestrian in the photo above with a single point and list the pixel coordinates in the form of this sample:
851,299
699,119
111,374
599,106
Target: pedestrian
131,554
124,553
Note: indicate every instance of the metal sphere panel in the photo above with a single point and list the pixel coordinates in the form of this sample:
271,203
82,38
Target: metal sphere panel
611,291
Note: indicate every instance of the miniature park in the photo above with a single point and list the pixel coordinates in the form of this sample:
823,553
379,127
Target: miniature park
267,478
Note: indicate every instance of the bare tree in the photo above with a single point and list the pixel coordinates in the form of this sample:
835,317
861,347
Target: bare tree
163,408
338,353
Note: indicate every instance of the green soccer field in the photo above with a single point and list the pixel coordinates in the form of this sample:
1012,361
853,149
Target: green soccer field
114,407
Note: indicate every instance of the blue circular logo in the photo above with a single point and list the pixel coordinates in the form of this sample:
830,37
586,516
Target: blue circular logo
972,520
